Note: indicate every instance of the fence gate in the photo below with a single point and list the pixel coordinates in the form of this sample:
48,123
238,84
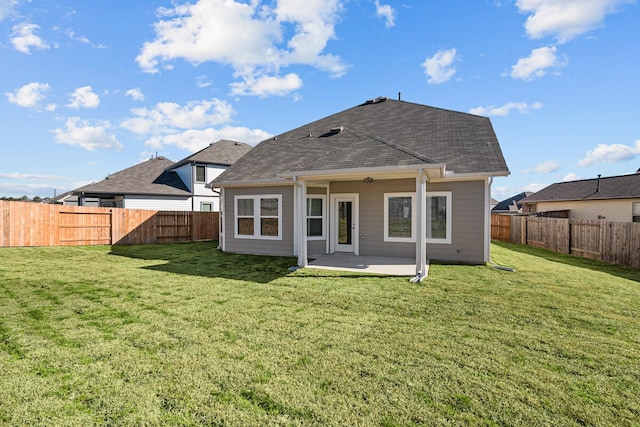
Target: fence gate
85,228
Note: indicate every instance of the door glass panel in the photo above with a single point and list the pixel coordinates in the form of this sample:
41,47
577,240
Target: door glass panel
344,222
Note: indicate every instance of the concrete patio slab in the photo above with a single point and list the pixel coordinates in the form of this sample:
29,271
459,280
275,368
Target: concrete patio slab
364,264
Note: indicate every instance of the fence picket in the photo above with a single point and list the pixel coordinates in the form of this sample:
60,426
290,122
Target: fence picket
33,224
613,242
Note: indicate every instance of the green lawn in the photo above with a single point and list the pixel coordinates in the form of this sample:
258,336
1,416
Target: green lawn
186,335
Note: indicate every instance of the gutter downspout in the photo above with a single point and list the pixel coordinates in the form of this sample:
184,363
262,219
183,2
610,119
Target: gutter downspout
220,228
302,229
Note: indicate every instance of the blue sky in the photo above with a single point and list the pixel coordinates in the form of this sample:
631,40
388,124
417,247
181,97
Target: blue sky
89,88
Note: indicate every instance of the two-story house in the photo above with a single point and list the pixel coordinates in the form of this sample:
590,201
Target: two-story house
161,184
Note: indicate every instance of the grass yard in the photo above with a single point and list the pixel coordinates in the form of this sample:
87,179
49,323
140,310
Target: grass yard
183,334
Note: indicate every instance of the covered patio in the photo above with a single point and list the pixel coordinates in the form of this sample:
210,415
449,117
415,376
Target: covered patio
364,264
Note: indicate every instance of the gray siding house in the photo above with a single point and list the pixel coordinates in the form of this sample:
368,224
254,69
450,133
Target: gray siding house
384,178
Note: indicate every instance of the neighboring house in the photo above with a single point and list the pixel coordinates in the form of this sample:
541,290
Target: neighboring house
161,184
615,198
511,205
384,178
493,203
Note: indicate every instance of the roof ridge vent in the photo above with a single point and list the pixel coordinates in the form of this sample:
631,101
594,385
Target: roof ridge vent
376,100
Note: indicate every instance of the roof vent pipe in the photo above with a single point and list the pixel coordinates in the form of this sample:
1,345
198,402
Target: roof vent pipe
399,94
598,186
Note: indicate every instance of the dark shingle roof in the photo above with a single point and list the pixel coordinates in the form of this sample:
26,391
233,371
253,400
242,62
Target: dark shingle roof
613,187
505,204
374,134
223,152
149,178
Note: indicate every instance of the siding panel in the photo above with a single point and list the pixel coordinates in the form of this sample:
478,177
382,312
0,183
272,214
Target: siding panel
257,246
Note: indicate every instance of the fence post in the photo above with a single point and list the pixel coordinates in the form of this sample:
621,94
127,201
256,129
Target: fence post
111,227
192,220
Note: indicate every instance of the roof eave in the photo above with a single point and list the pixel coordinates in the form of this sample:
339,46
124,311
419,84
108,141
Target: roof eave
435,169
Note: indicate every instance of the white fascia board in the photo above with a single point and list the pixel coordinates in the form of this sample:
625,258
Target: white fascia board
254,183
474,176
403,171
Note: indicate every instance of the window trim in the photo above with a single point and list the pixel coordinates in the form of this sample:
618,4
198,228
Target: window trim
256,216
202,205
195,178
448,195
635,213
323,216
449,205
386,236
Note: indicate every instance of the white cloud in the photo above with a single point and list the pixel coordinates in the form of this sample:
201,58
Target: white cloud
505,110
135,94
82,133
385,11
72,35
26,189
23,38
267,85
504,192
565,19
166,117
30,177
250,37
536,65
194,140
571,177
28,95
7,8
439,68
84,97
203,81
612,153
189,127
545,167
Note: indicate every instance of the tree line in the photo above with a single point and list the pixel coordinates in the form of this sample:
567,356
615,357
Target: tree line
35,199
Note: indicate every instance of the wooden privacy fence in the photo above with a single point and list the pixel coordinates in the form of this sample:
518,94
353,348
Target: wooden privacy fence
35,224
610,241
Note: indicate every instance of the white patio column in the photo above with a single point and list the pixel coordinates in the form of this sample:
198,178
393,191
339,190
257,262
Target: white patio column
421,226
301,190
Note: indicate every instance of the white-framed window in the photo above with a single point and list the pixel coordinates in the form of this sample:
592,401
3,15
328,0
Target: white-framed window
399,217
201,173
635,215
316,217
258,217
206,207
439,216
